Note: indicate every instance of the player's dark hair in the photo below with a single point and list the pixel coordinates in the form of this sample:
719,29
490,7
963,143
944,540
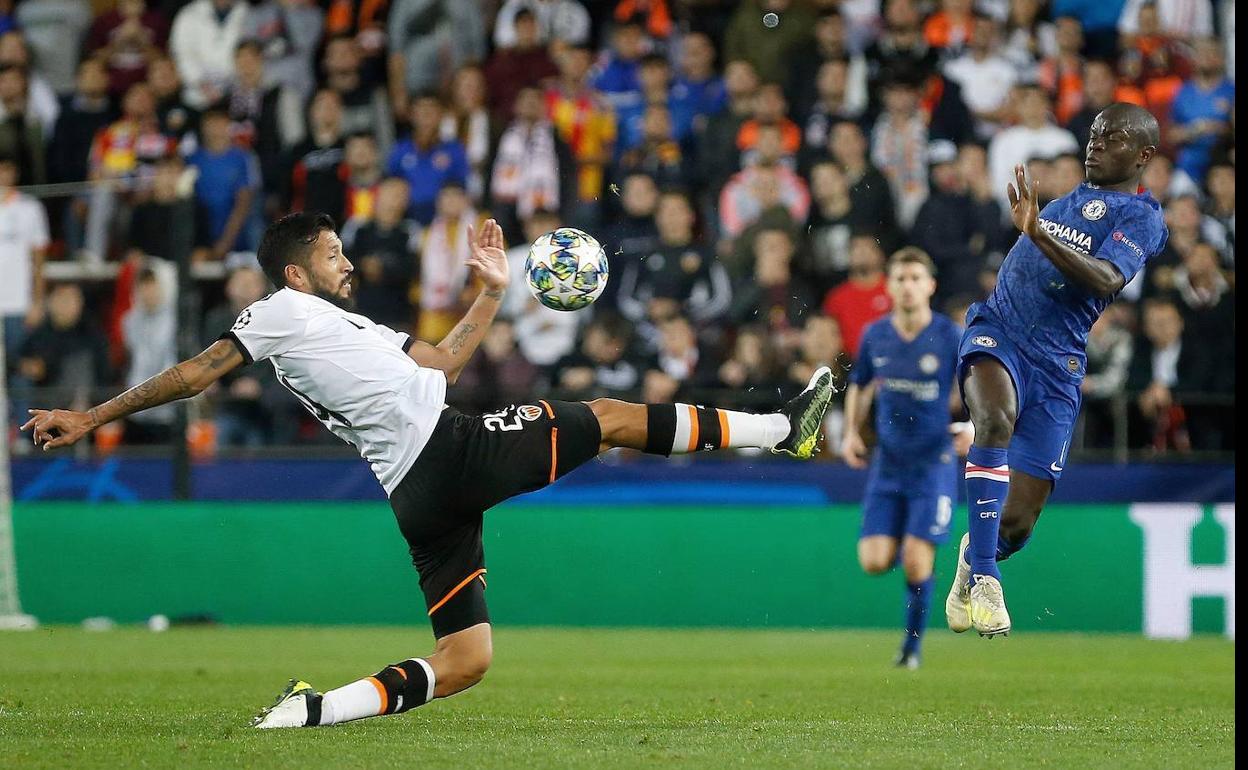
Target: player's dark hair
288,241
912,255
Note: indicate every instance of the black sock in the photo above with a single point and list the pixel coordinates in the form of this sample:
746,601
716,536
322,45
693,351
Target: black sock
407,686
660,429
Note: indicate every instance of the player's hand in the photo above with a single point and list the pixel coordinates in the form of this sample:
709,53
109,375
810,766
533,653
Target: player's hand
1024,203
854,450
963,437
58,427
488,260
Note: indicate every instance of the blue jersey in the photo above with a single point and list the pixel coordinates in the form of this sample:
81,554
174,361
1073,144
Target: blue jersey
913,381
1042,311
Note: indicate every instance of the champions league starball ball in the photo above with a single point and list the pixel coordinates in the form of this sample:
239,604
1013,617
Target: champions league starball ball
566,269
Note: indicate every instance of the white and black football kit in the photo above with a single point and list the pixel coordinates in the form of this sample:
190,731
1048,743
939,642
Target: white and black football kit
441,469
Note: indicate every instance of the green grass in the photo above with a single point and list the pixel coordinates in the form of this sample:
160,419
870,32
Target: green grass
621,698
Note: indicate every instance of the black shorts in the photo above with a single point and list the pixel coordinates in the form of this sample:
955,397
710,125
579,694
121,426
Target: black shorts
470,465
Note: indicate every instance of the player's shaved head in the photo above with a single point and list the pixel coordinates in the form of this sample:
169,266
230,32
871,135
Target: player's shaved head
1121,142
1135,119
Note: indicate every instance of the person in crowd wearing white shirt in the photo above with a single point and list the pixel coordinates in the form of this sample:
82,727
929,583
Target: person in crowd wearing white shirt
384,393
203,39
985,76
23,246
1035,136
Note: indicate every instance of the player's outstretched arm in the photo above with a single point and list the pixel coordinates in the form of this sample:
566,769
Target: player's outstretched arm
857,410
488,262
61,427
1098,276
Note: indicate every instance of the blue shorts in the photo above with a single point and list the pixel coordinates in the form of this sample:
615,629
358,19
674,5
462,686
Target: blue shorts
1048,403
910,500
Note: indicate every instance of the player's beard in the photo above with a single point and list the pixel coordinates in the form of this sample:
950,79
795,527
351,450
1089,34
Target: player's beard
335,297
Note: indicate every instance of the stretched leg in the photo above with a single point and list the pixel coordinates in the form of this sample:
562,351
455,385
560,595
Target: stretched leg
679,428
990,396
917,559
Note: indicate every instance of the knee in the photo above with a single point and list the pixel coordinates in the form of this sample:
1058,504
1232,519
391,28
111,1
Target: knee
994,425
875,563
917,566
464,666
1017,523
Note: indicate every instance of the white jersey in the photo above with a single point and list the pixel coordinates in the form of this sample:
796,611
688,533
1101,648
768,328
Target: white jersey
354,375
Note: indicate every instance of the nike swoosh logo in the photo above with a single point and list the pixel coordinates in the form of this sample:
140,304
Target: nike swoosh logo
984,502
1055,467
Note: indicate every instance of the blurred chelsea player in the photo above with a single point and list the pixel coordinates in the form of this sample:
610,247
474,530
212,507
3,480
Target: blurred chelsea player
906,362
1022,355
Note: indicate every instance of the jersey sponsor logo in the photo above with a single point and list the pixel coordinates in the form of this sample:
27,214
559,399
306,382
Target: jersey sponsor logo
879,361
929,363
1076,238
1122,238
984,341
1094,210
529,412
919,390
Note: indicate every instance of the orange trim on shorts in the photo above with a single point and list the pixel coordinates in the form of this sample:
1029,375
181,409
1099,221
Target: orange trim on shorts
549,412
723,428
693,428
381,693
554,454
456,590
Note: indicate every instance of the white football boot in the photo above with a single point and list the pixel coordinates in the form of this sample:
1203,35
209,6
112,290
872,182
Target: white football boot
988,613
958,602
292,708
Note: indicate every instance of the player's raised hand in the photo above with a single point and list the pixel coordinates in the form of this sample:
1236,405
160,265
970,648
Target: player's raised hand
488,257
1024,203
56,428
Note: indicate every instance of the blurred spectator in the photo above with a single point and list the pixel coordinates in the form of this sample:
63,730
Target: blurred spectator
1109,358
769,50
175,117
444,248
1220,204
765,184
599,366
54,29
831,106
1062,73
697,84
525,64
657,153
770,111
774,297
1067,172
1156,62
363,172
527,162
950,29
42,106
202,41
7,20
679,363
1099,86
426,160
498,373
315,179
128,37
154,225
585,123
364,21
752,364
127,149
821,344
899,147
985,77
833,219
846,94
1185,19
959,223
862,298
1202,110
243,418
289,32
1035,136
1162,364
654,89
23,246
543,335
226,189
633,234
385,251
1029,37
83,112
21,133
655,15
428,40
565,21
718,156
1099,21
1164,182
65,354
468,123
365,106
148,330
868,189
264,119
616,76
679,275
900,44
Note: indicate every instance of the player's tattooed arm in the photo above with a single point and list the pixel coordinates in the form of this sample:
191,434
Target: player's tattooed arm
1098,276
62,427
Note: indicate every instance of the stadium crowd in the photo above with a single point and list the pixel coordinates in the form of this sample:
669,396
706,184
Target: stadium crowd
748,183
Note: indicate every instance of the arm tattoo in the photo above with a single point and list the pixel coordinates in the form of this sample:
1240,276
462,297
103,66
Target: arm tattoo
460,336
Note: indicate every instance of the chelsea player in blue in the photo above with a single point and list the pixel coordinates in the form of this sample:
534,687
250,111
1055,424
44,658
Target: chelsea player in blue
907,362
1022,355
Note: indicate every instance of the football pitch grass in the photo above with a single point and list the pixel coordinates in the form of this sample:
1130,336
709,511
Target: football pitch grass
589,698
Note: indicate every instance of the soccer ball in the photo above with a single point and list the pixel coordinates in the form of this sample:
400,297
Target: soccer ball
566,269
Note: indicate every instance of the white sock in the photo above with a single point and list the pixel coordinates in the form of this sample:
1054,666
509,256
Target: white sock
362,698
701,428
